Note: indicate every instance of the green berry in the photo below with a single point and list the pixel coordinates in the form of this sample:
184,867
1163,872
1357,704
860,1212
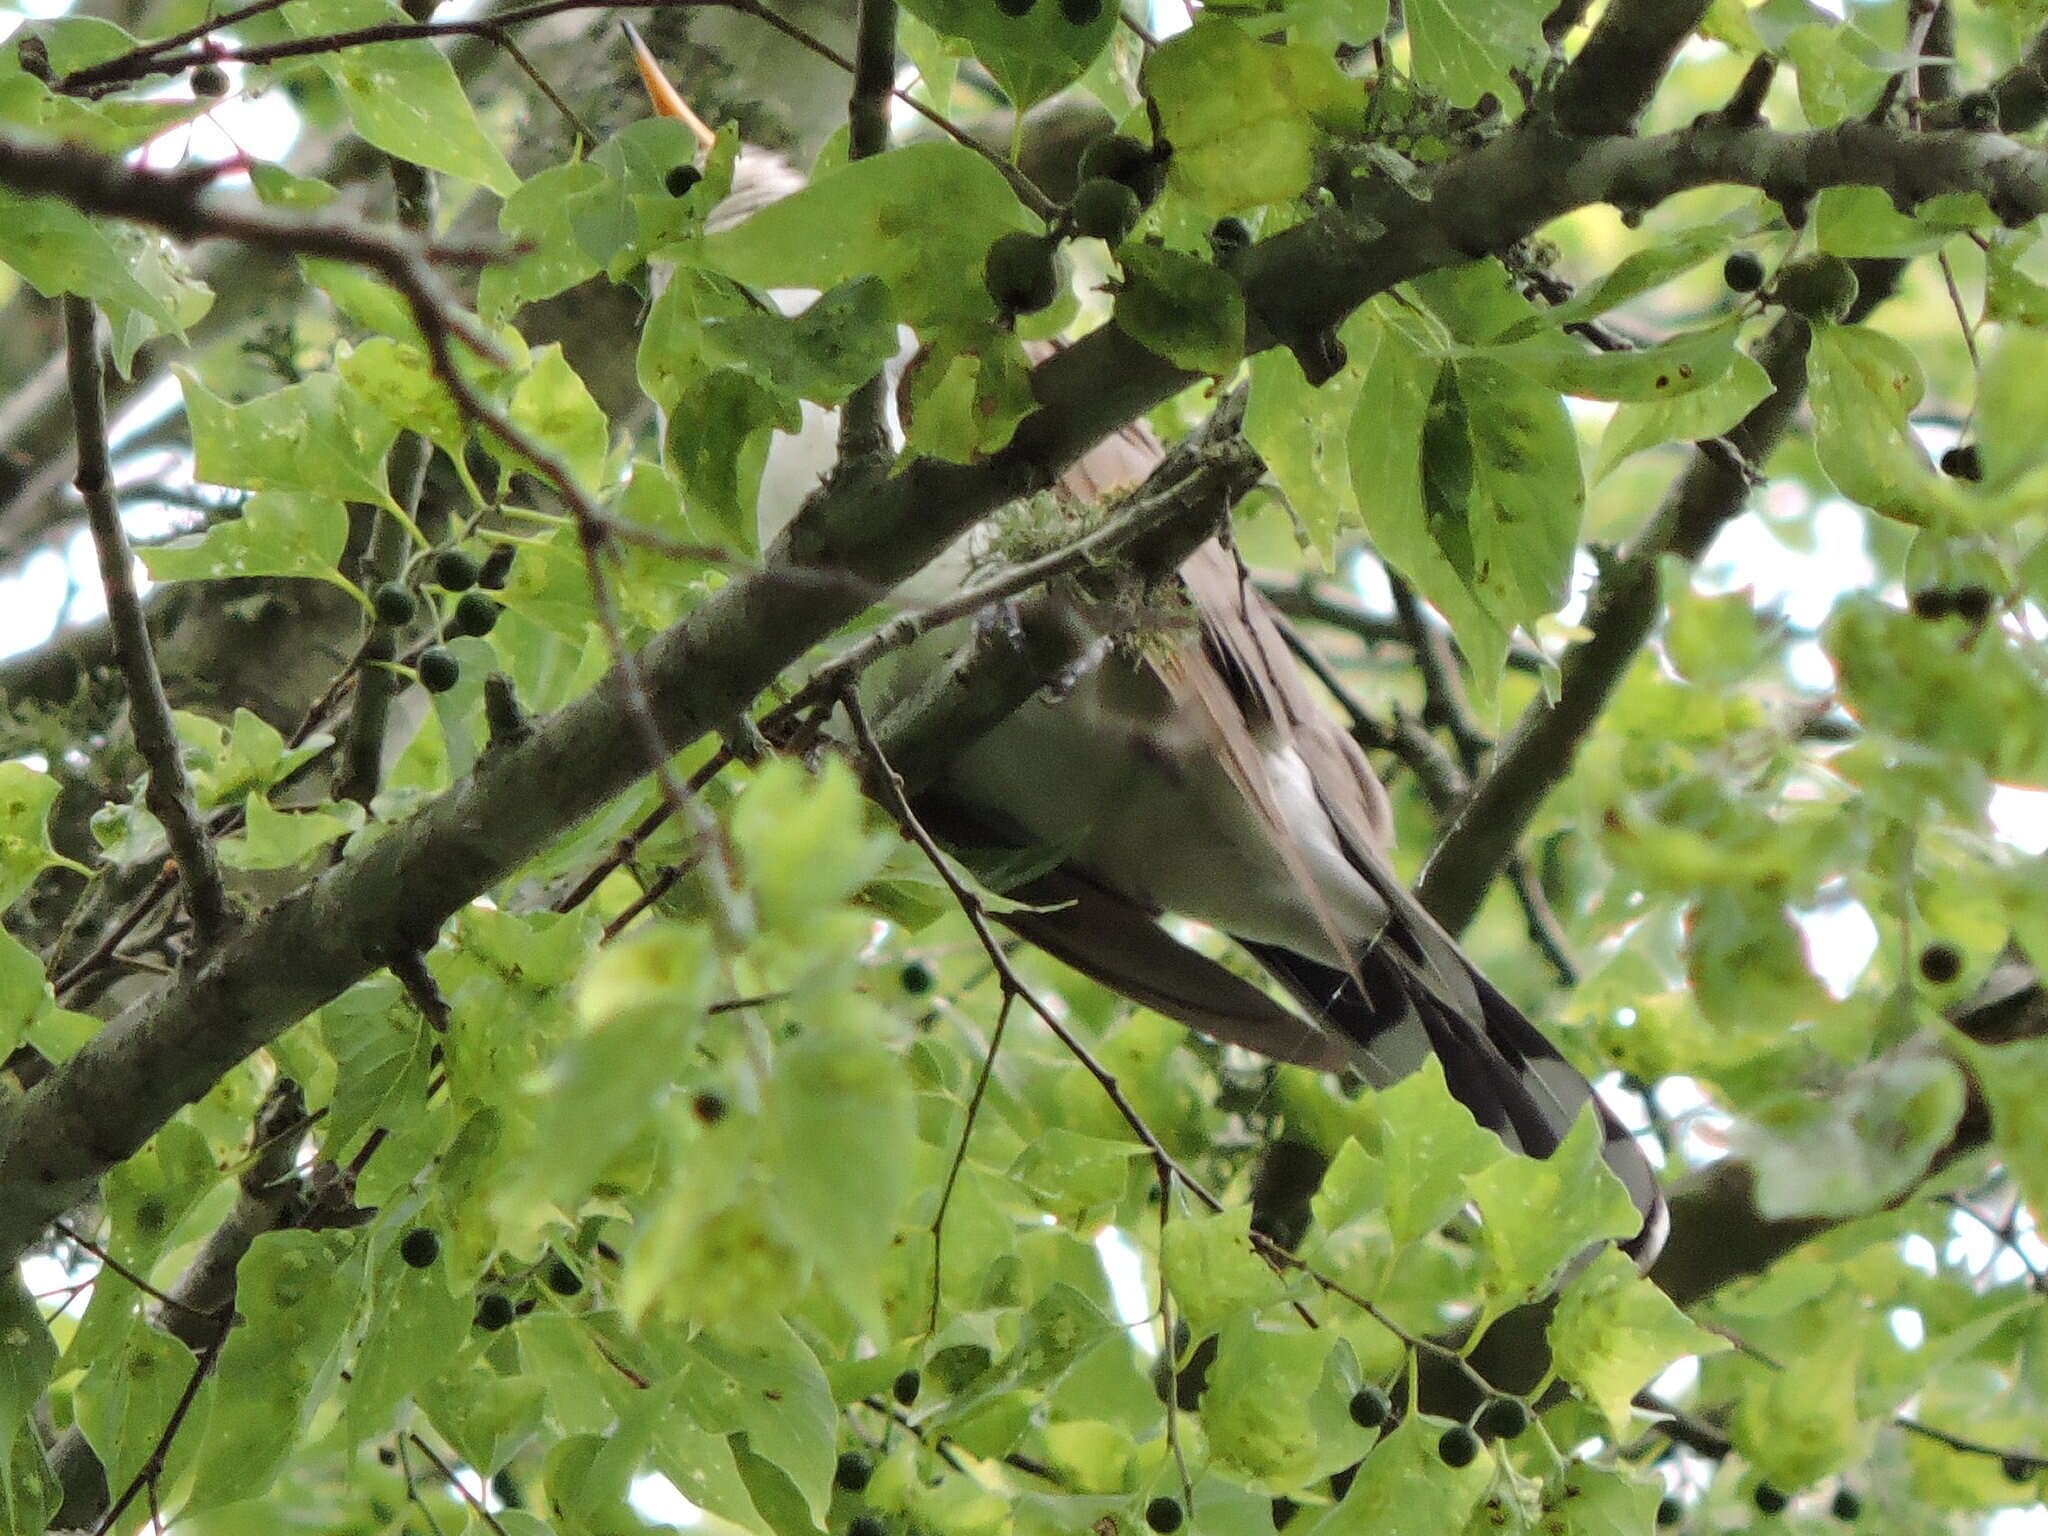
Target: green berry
905,1387
1963,462
494,1311
853,1471
1669,1510
1940,964
1105,210
562,1280
1370,1407
439,670
681,179
395,605
419,1247
1770,1500
455,571
1081,13
1458,1446
1973,603
1847,1506
1020,273
209,80
1163,1515
1503,1419
476,614
1123,158
1743,271
1933,603
1820,287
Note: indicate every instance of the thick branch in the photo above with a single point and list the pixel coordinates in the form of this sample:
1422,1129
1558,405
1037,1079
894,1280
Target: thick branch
1610,83
864,423
169,790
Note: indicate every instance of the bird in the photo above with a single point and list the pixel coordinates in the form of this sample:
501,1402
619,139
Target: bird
1200,777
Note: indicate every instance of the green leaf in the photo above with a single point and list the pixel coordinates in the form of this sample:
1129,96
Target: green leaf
1213,1271
1800,1424
395,377
127,1399
1613,1331
404,97
2015,1079
382,1050
921,218
277,534
1404,1489
1300,432
1848,1154
142,283
1746,958
1690,418
1540,1213
772,1391
486,1417
966,398
296,1293
1241,115
26,797
318,437
717,446
1668,371
822,355
274,839
554,406
553,258
1639,272
1187,310
280,188
1465,48
1257,1409
1863,385
1415,1177
29,1494
1032,56
1861,221
417,1327
805,842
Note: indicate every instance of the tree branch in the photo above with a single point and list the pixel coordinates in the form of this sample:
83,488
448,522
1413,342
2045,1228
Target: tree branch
1608,86
168,792
864,421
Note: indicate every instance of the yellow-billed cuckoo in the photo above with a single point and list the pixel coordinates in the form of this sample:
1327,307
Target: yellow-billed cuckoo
1200,777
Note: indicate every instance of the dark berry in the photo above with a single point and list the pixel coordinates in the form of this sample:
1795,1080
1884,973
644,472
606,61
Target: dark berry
387,1456
1973,603
1369,1407
1940,964
915,977
497,567
395,605
853,1471
494,1311
562,1280
455,570
1020,273
1770,1500
1163,1515
1123,158
708,1107
1963,462
866,1525
1080,13
1284,1510
1669,1510
904,1387
2018,1469
1978,112
209,80
475,614
1458,1447
1228,237
1015,8
1847,1506
419,1247
1933,603
1105,209
1743,271
1503,1419
680,179
439,671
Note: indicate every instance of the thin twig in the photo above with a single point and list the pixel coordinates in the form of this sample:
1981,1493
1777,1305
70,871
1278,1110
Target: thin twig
168,792
988,1067
152,1467
66,1230
457,1484
864,419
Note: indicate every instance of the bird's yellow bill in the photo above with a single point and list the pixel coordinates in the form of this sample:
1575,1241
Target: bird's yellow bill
668,101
